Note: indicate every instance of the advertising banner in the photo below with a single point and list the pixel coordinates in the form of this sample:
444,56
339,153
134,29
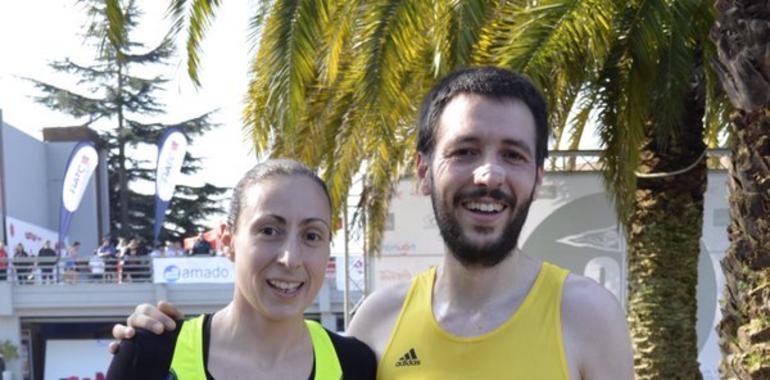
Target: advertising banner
192,270
80,166
31,236
77,359
172,148
356,270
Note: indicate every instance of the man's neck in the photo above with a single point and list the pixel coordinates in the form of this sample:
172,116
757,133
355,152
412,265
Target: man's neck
486,295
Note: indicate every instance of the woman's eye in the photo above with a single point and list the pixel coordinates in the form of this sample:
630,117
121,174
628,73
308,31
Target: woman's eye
269,231
313,236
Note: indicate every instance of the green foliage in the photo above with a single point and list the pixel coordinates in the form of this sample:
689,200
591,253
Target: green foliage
120,103
329,73
9,350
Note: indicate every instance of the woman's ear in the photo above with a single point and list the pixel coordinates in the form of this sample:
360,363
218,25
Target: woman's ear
227,242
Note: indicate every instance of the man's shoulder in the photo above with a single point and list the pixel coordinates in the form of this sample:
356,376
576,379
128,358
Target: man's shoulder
386,300
376,317
584,298
595,331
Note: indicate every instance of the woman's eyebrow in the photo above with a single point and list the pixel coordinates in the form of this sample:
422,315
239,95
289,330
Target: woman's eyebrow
313,220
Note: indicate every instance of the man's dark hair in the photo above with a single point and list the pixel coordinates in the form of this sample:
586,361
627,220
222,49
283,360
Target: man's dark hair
262,171
491,82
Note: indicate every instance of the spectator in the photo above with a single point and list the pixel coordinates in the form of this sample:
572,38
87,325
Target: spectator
109,255
158,250
47,259
21,263
96,265
3,262
131,261
201,246
106,249
173,249
70,263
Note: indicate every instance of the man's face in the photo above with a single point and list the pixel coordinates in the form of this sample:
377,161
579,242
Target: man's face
482,176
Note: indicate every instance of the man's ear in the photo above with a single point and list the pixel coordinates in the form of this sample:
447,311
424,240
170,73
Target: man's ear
423,174
538,181
227,242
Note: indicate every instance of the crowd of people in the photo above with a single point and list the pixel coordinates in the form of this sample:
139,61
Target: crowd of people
115,260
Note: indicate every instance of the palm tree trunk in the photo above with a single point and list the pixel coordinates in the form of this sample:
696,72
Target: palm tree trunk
742,35
664,244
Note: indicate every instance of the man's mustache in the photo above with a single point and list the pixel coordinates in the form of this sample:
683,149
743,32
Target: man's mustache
496,194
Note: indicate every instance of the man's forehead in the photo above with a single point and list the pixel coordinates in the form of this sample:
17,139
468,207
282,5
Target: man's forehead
467,115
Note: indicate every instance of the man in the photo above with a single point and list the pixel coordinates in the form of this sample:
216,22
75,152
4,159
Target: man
488,311
201,246
47,261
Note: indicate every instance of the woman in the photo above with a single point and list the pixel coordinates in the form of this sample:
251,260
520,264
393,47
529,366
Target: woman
278,233
3,262
21,263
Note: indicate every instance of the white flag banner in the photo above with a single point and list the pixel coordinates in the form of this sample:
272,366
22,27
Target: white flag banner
170,158
81,167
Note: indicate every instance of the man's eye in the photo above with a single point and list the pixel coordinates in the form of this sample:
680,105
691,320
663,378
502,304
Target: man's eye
464,152
513,155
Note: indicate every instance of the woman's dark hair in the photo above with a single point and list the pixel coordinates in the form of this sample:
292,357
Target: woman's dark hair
492,82
265,170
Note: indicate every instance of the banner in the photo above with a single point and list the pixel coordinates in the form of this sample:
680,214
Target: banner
172,148
76,359
29,235
355,270
192,270
80,166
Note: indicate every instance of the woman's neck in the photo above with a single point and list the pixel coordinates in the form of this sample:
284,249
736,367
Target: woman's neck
244,329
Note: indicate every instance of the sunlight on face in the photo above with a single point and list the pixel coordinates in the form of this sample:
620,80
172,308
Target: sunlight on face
281,247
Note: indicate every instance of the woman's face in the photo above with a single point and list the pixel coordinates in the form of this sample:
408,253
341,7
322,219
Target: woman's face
281,245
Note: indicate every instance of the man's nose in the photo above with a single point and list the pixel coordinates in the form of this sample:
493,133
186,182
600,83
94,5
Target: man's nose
489,175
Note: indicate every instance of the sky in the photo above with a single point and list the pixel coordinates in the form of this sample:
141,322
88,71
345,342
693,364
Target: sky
34,33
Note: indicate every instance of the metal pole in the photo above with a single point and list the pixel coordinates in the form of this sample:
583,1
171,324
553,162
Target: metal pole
365,252
346,291
2,183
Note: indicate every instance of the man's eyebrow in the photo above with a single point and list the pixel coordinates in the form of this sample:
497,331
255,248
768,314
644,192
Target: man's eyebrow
519,144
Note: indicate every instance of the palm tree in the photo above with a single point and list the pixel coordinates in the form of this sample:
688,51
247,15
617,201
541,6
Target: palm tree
336,84
742,35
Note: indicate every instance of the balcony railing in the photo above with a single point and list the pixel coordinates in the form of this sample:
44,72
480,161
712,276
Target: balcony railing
51,270
588,160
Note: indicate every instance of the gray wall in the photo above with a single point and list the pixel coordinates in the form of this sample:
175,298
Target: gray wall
33,175
26,188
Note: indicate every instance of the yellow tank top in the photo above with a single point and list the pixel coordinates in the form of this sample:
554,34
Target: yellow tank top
526,346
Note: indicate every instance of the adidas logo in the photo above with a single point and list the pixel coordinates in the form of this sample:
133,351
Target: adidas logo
409,359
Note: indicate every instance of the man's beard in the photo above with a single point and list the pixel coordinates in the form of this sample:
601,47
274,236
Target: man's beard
480,255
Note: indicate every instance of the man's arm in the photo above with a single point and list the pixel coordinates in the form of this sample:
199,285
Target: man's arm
374,320
596,337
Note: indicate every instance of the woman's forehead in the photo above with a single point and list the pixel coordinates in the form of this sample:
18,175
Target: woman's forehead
294,194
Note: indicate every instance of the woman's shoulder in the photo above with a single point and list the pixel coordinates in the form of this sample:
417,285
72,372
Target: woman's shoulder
356,358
